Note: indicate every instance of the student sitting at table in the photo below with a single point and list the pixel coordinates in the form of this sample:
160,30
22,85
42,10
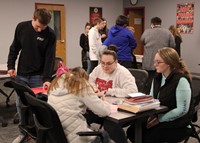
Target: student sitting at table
71,94
110,78
172,87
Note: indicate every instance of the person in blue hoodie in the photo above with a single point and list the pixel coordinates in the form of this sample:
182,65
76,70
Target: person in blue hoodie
124,40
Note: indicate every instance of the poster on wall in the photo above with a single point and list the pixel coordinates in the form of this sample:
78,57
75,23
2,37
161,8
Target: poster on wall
185,18
95,12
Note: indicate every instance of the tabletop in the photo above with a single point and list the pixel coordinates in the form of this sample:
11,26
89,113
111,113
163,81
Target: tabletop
116,121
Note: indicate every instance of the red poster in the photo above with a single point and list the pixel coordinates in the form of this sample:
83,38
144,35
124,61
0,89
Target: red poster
185,17
95,12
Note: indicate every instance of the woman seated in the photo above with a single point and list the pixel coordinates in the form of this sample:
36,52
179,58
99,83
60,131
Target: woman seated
110,78
172,87
71,94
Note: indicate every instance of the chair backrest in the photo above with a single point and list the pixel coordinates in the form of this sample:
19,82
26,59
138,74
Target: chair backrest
20,89
196,94
140,78
46,118
25,111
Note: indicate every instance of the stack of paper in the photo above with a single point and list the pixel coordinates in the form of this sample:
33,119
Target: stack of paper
139,103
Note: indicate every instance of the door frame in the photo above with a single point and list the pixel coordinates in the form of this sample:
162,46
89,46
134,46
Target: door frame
126,13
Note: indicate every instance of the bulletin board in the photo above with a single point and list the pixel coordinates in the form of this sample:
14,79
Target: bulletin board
185,18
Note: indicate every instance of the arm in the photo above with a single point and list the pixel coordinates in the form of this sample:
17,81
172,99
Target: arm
124,84
142,39
14,50
49,58
93,41
132,41
171,41
96,105
82,43
183,98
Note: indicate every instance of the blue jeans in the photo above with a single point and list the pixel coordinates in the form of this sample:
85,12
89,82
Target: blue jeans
88,63
31,81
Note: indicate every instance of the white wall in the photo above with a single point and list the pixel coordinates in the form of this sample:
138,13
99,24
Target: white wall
77,14
166,10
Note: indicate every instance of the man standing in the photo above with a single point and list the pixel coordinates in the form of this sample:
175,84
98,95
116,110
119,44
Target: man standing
36,43
154,39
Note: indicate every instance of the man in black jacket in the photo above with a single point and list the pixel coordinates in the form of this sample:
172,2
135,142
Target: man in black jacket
35,43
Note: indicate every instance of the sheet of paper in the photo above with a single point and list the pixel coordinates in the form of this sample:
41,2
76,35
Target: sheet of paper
39,90
136,94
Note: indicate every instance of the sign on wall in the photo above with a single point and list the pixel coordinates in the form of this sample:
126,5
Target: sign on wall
185,18
95,12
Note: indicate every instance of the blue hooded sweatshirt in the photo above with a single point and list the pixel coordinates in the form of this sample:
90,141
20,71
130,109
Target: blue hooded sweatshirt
124,40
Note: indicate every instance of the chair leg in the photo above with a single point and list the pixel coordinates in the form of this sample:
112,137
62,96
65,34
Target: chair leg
16,119
195,133
4,123
8,97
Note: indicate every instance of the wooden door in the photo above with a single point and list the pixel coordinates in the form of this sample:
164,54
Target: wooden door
136,20
58,25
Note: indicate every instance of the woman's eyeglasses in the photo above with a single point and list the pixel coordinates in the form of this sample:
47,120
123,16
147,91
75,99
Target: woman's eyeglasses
106,64
157,62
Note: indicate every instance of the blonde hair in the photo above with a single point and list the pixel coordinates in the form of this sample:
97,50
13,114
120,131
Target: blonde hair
171,57
75,81
174,31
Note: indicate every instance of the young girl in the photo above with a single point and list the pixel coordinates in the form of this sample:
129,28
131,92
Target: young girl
71,94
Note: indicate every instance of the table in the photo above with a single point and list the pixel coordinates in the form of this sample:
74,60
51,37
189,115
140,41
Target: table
115,122
3,76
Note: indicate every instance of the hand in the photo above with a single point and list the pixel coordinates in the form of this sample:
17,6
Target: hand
12,73
46,85
103,36
152,121
101,93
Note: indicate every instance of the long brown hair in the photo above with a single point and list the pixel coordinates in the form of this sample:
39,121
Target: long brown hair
171,57
174,31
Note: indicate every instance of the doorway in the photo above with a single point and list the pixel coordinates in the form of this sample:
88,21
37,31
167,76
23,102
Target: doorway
57,23
136,19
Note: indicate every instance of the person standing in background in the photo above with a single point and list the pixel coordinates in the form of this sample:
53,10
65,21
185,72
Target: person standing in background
35,43
178,38
132,29
85,47
154,39
123,39
104,31
95,43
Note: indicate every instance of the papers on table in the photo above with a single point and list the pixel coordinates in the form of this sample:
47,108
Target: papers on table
139,107
138,102
136,94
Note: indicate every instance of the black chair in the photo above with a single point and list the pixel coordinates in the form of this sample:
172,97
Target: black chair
140,78
196,96
47,127
27,123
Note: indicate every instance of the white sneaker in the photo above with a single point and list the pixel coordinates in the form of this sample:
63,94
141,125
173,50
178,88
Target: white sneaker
18,139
